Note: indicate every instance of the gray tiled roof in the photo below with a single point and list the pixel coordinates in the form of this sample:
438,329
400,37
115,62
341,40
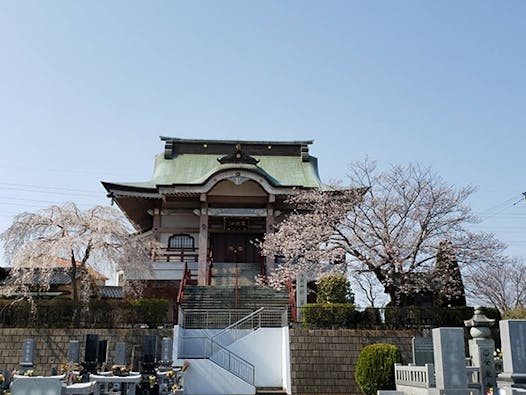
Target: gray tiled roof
111,292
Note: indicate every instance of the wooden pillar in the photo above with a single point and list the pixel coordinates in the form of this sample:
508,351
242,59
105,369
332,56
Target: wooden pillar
156,226
269,260
156,223
203,242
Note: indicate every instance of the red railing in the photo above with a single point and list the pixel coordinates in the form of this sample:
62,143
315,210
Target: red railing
292,300
209,269
186,278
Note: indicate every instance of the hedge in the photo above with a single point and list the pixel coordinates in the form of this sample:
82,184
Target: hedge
59,313
328,315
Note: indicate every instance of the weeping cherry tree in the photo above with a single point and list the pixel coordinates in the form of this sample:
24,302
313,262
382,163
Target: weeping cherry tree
99,238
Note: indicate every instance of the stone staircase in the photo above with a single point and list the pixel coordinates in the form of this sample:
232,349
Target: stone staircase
270,391
249,297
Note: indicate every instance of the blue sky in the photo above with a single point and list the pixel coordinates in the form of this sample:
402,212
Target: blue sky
86,89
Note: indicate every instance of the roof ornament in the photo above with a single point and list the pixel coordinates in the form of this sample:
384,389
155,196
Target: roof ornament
238,157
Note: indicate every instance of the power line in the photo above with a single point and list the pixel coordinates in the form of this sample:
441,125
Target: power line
47,187
51,192
521,199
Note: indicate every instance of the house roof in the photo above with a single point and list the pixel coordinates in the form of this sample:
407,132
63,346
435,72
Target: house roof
111,292
66,264
59,275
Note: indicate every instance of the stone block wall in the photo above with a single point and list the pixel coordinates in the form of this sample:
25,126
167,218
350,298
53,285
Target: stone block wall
51,345
323,361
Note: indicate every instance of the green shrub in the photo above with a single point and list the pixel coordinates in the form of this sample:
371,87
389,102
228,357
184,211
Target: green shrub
452,316
371,317
152,312
334,288
375,368
327,315
492,312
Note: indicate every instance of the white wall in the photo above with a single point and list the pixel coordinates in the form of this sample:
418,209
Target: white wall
263,349
203,377
285,365
266,348
180,220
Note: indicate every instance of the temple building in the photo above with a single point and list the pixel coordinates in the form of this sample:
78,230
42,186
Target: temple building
210,201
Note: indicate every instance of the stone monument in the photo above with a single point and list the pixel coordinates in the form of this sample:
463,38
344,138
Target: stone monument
513,338
450,362
91,354
422,350
74,352
28,355
482,349
120,354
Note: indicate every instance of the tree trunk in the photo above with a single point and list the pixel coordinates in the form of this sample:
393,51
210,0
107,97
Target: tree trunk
74,291
73,277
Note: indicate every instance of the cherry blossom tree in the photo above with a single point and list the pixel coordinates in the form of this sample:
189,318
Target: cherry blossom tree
501,283
99,238
391,225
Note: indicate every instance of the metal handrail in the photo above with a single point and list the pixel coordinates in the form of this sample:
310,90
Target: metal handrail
246,318
246,366
221,318
229,330
210,318
224,358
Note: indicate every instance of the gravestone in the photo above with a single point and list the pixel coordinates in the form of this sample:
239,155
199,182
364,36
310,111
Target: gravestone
91,353
422,350
102,353
74,351
149,351
450,362
120,353
166,352
513,339
28,355
7,379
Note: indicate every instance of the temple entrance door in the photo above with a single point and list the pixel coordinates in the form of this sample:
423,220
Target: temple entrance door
235,247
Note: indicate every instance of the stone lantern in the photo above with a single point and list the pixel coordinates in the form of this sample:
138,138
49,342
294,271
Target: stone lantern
482,348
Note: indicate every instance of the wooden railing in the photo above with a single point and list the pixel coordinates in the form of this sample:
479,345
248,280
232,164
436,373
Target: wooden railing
178,255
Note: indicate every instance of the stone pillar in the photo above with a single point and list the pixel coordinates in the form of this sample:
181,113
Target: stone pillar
482,349
450,362
513,340
203,242
269,260
301,294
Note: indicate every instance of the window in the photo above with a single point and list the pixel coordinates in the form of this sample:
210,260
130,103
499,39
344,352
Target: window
181,242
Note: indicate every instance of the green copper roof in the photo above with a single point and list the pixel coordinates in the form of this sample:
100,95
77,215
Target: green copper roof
196,169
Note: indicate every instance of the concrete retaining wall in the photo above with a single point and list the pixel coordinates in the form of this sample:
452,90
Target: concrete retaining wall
52,344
